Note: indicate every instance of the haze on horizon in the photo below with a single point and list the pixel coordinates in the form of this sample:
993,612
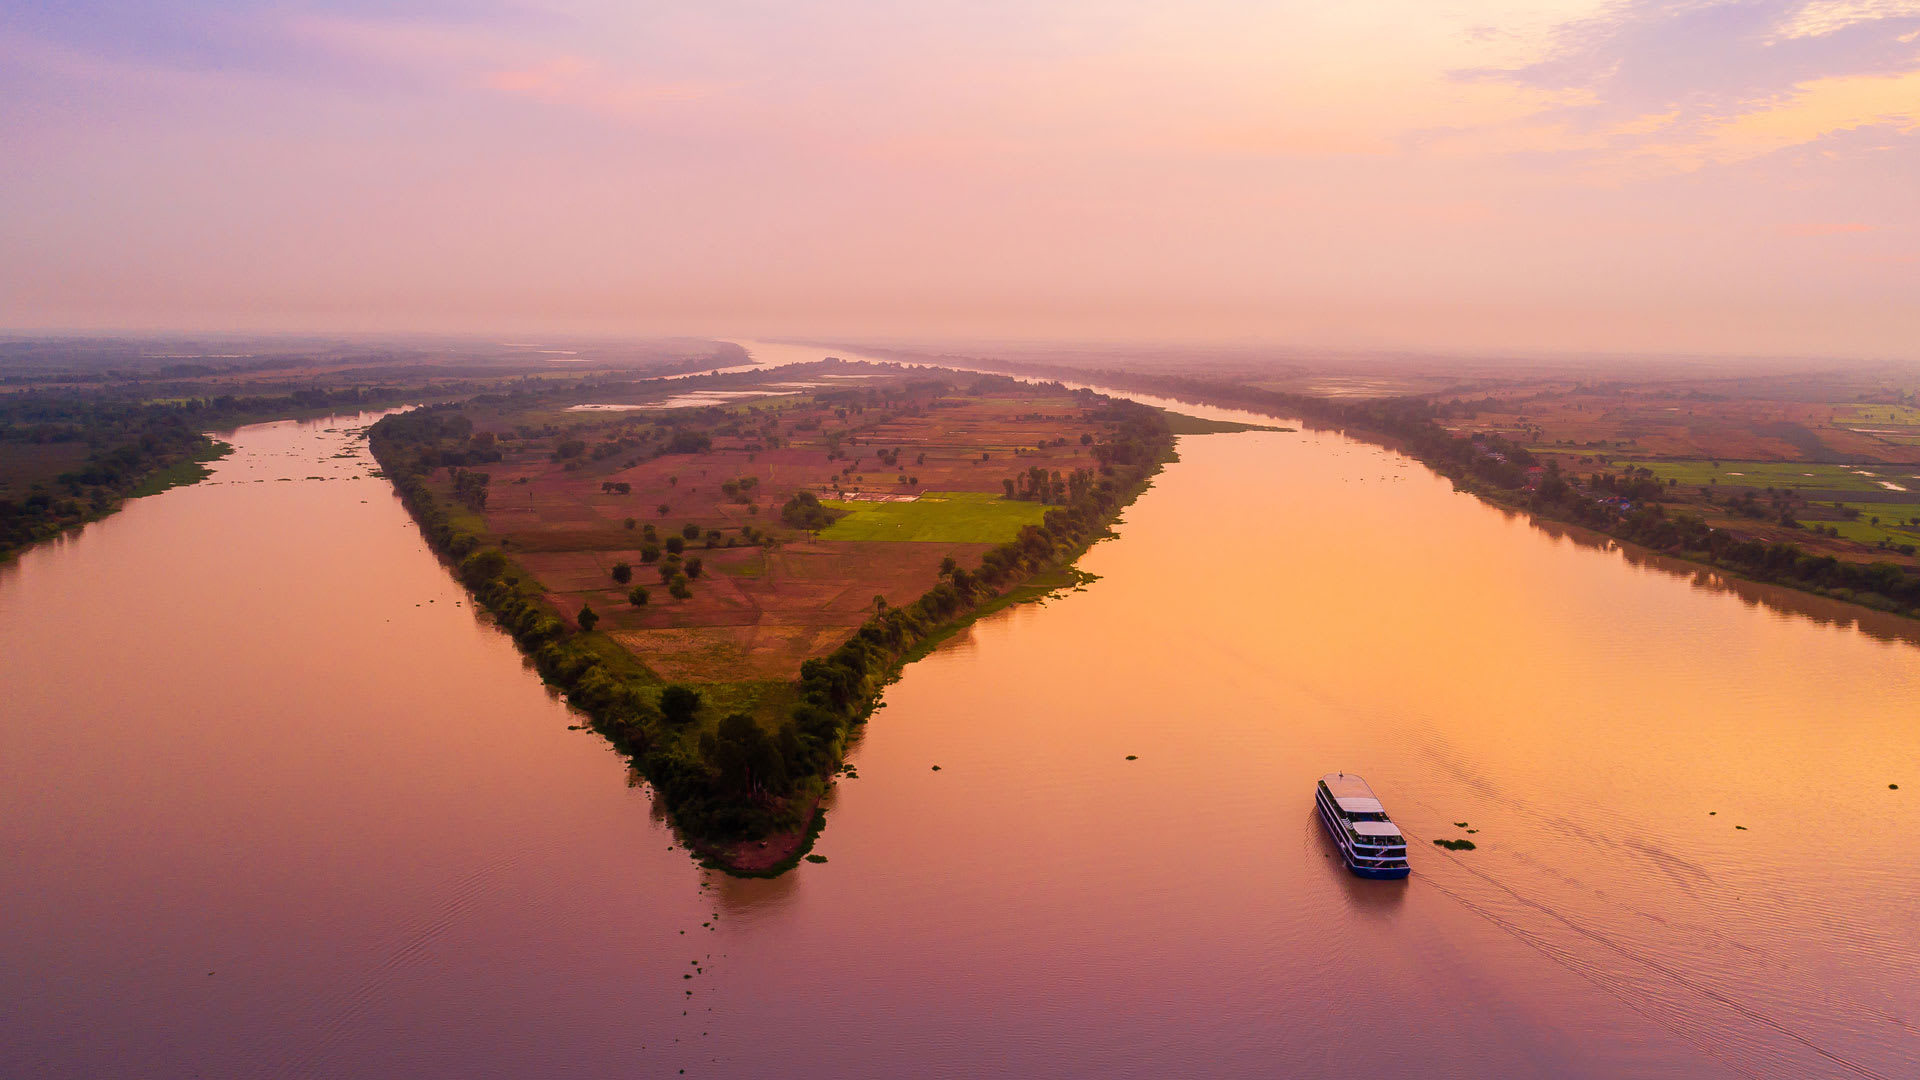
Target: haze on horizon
1719,176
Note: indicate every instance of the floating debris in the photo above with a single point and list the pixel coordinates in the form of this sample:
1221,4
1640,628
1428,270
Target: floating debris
1459,824
936,768
816,858
1455,845
1742,828
1133,757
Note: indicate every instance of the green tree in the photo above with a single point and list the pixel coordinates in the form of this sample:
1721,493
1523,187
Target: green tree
622,572
483,566
746,760
649,553
676,544
690,531
637,596
679,704
678,589
694,566
587,617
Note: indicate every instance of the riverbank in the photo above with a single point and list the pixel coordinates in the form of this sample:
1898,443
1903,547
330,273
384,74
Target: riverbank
1495,470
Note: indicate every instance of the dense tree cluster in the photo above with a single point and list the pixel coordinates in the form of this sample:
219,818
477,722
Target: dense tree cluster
804,511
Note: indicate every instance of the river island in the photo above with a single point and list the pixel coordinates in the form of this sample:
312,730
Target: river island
723,572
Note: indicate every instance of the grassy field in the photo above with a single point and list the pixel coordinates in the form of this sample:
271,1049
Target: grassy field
950,517
1779,474
1892,414
1866,532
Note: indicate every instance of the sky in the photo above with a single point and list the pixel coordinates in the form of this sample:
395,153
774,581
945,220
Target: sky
1701,176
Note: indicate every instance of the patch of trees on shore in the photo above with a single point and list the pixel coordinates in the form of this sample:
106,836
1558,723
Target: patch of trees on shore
750,778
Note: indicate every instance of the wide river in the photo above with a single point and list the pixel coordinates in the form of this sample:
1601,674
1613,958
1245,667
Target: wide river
274,802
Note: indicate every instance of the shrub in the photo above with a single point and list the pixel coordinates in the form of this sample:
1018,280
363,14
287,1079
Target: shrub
622,572
637,596
679,704
587,617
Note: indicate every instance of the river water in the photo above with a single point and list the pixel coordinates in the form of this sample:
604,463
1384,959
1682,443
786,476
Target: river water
274,802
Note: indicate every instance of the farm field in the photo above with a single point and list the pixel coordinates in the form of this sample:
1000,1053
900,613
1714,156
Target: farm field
959,517
697,493
1792,475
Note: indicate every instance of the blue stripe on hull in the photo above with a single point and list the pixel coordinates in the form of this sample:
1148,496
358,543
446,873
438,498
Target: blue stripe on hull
1378,874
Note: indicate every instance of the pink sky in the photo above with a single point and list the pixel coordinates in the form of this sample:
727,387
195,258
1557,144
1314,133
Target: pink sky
1738,177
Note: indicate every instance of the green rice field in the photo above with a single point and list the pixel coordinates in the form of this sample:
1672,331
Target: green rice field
950,517
1783,474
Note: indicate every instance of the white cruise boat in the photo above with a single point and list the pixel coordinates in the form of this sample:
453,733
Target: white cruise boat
1368,840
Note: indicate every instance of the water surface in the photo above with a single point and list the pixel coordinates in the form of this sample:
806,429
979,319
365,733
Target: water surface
274,802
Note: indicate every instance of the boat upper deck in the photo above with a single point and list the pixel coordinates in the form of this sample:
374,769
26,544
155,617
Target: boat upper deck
1347,786
1353,796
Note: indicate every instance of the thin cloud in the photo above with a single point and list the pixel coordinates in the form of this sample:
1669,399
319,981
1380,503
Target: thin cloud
1689,82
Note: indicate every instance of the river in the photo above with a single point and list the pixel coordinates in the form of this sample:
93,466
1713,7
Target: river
274,802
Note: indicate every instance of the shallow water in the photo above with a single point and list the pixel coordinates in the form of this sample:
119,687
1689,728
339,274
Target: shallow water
275,803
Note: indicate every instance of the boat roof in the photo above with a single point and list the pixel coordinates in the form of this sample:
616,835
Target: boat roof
1346,785
1361,806
1376,828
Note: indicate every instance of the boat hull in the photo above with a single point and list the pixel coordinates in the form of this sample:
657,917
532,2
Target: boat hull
1357,869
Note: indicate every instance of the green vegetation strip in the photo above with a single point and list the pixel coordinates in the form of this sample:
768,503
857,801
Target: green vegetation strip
1182,424
1795,475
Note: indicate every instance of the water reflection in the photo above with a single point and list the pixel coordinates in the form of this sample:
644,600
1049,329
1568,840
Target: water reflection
1365,897
1821,610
